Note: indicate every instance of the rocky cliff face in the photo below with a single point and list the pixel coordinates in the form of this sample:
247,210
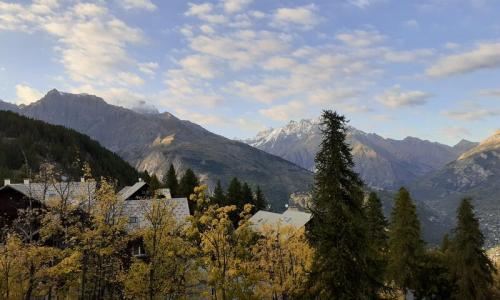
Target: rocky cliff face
381,162
475,174
152,141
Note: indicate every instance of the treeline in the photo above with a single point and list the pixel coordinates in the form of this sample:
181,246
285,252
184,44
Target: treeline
348,250
361,255
68,250
237,193
25,142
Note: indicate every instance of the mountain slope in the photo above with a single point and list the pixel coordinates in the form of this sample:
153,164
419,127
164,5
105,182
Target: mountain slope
23,139
152,141
476,174
381,162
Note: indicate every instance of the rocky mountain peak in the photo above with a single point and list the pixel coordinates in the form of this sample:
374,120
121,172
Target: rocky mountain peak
492,143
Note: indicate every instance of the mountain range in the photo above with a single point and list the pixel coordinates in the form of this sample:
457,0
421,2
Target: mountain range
382,163
151,142
438,175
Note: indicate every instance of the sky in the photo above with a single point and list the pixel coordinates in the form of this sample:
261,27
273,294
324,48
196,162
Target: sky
427,68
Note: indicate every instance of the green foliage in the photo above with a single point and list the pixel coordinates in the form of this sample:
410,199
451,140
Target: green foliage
260,201
171,181
471,269
377,240
406,248
337,229
218,197
25,144
188,182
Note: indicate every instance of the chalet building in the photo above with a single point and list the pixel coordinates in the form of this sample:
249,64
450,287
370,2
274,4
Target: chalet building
138,202
15,196
291,217
137,199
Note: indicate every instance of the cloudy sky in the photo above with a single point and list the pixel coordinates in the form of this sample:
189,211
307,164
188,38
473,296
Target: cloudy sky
427,68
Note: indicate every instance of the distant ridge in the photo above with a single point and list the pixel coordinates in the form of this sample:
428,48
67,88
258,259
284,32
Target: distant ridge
151,141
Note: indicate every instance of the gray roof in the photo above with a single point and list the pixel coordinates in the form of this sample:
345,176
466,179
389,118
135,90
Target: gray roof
75,192
290,217
128,191
139,208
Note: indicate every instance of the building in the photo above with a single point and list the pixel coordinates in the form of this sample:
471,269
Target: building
290,217
15,196
138,201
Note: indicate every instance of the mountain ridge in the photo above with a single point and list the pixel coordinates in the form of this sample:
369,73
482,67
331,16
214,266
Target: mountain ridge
154,141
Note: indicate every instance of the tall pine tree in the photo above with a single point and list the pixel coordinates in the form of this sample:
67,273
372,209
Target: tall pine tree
246,195
377,239
337,230
471,269
234,193
186,187
171,181
260,200
406,247
218,196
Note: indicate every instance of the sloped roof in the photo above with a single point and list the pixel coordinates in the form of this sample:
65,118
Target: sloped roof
290,217
128,191
73,191
138,209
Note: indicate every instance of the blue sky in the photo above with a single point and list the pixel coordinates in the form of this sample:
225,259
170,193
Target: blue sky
428,68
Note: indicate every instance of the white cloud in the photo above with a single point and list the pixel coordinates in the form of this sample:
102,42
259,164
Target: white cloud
408,56
241,48
483,56
363,3
360,38
493,93
207,29
329,96
26,94
203,12
411,23
455,132
232,6
148,68
395,97
304,16
199,65
130,78
285,112
279,63
472,113
138,4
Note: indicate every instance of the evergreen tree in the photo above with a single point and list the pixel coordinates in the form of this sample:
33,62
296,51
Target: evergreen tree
260,200
234,192
171,181
186,187
471,269
377,239
406,247
218,197
154,183
246,195
337,230
188,182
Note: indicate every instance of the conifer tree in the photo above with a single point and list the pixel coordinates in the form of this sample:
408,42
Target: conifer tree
246,195
234,192
186,187
377,239
471,269
218,197
260,200
337,230
406,247
171,181
188,182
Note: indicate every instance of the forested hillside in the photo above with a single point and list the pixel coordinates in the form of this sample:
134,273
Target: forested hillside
27,143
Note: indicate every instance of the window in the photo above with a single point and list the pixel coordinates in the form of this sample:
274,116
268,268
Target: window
133,220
